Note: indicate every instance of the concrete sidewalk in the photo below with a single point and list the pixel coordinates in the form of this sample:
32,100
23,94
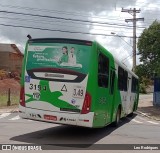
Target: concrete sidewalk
146,108
8,109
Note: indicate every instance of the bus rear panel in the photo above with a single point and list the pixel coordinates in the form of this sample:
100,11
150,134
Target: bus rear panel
75,82
54,82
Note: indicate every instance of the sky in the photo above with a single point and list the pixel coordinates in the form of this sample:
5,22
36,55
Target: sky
100,20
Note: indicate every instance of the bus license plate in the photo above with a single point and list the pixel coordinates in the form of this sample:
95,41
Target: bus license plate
78,92
50,117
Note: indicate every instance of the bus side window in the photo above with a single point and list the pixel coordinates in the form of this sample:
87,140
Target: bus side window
120,78
103,71
134,84
125,86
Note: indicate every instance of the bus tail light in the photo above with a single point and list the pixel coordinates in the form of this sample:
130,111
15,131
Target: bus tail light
22,97
86,104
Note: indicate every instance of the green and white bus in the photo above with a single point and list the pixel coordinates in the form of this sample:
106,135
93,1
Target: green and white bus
75,82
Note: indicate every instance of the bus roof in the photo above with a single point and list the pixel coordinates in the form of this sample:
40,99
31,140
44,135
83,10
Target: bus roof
125,67
80,42
60,40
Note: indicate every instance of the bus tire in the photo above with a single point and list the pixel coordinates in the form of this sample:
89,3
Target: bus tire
118,114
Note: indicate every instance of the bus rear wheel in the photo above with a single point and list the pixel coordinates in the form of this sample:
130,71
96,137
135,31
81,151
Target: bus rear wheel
118,114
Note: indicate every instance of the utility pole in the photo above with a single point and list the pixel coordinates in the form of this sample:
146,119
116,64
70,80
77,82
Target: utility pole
134,20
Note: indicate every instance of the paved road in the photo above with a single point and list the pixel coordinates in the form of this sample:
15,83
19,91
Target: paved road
148,97
135,130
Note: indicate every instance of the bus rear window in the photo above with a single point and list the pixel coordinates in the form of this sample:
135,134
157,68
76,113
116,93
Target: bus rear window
74,57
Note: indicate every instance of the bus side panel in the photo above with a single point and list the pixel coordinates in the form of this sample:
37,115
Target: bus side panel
22,108
105,104
136,99
91,88
126,99
117,99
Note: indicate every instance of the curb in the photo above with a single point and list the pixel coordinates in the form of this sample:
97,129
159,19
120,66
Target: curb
150,117
14,111
9,111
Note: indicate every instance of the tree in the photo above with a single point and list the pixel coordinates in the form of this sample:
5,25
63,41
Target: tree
142,71
144,77
149,49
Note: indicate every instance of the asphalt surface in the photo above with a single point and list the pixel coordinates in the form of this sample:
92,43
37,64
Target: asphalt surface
62,138
135,130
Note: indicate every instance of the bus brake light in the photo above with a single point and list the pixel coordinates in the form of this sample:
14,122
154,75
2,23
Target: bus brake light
22,98
86,104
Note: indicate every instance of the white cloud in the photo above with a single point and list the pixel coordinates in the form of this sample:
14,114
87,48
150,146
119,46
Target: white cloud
101,11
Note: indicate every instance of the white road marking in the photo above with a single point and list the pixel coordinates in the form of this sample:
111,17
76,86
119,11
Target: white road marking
29,120
4,115
141,118
15,118
153,122
136,121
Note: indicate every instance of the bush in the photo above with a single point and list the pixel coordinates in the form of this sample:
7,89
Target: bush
142,88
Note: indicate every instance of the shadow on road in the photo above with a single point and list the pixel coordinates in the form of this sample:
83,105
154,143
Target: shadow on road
64,135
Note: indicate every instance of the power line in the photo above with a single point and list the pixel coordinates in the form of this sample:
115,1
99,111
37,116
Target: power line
131,55
56,30
44,22
60,12
57,11
65,12
127,57
114,34
67,19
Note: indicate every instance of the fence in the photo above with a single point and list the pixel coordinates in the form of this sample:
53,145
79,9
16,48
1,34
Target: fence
9,97
156,94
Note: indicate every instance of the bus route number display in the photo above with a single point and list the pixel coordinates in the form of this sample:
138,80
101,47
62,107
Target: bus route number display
78,92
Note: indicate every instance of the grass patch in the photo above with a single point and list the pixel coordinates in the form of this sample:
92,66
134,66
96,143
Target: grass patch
4,98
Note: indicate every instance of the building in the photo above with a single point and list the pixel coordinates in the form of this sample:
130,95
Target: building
10,58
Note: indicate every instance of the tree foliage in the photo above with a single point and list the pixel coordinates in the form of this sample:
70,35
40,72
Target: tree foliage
144,77
143,71
149,50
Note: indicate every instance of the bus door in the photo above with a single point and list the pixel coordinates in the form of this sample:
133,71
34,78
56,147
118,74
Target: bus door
104,92
112,91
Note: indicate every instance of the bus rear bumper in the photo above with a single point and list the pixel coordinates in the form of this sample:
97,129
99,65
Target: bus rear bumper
85,120
22,111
